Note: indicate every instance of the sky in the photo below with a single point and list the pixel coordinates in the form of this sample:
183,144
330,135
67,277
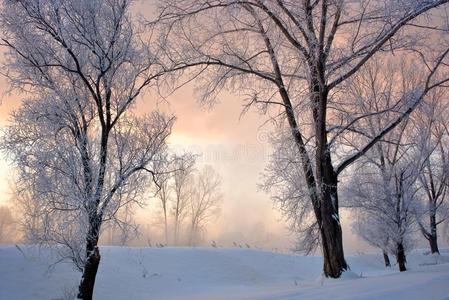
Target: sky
236,146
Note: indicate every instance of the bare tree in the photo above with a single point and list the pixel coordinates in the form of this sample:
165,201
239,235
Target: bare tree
183,167
193,197
163,194
78,149
297,56
432,127
205,201
53,168
385,199
383,188
375,88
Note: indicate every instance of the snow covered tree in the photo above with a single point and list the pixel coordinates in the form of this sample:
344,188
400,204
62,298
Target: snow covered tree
297,56
205,201
163,194
433,137
189,198
79,150
383,186
384,199
57,157
183,168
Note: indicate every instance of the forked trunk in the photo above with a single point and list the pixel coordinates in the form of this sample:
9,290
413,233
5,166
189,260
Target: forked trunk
400,257
326,178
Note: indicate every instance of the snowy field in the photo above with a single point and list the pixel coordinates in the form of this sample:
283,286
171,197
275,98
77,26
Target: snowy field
212,274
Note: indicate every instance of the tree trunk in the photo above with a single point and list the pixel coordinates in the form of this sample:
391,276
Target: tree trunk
177,215
433,233
433,244
192,236
175,238
400,257
86,287
386,259
331,233
166,226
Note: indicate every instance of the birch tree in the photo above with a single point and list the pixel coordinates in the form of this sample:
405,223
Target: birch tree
77,146
297,57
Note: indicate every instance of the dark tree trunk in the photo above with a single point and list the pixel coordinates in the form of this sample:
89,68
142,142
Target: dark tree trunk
434,244
323,187
386,259
433,234
400,257
331,234
86,287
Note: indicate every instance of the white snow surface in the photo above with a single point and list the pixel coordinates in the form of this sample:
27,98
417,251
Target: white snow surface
220,273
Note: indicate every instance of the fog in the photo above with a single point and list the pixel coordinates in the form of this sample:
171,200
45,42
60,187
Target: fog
234,145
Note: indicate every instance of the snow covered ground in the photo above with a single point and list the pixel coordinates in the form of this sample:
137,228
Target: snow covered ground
212,274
